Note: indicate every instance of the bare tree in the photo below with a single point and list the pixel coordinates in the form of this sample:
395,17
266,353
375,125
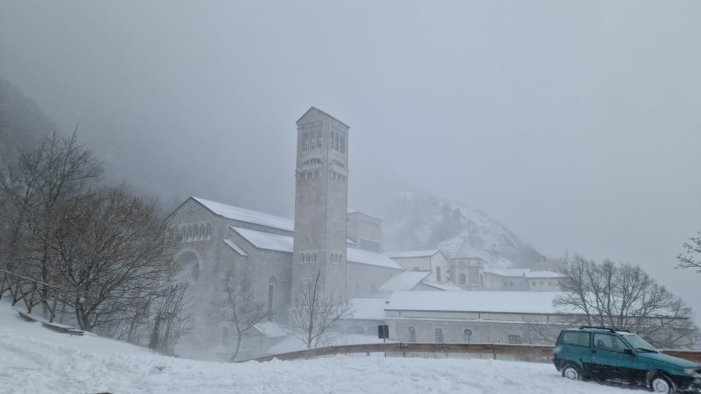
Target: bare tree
110,249
623,296
170,317
57,170
691,258
239,306
313,315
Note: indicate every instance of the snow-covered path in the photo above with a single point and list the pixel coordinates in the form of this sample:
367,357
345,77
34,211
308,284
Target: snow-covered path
36,360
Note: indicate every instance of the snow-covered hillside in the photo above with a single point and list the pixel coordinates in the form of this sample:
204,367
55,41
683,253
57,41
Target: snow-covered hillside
36,360
417,222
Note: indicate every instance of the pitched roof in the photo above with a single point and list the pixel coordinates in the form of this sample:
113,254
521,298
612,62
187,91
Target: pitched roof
522,273
406,280
285,243
247,215
270,329
371,258
474,301
268,241
368,308
447,286
313,109
235,247
412,253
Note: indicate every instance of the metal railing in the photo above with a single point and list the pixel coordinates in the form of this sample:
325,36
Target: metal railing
518,352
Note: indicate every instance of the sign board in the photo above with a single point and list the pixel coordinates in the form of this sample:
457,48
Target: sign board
383,331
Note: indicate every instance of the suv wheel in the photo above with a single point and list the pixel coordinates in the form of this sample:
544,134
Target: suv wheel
660,384
572,372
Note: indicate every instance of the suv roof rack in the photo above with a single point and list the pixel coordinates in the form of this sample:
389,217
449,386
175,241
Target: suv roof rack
603,328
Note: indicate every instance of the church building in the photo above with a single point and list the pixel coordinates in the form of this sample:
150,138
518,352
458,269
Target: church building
281,254
343,246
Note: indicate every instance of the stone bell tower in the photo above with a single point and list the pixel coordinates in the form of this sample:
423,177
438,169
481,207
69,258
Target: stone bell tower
321,203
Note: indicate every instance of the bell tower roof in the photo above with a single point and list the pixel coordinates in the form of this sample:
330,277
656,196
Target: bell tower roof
313,114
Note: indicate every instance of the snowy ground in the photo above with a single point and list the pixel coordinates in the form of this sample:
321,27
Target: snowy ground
36,360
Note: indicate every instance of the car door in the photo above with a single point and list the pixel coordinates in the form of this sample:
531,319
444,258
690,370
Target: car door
608,352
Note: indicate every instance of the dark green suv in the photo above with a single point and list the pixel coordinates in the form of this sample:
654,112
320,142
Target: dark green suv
605,353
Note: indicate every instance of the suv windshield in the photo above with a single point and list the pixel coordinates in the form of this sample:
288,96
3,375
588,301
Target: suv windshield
639,343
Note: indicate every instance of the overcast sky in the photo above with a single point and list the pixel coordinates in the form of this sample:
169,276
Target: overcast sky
576,124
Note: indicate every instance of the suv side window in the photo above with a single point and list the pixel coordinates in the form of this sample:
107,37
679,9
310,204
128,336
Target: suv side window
610,343
575,338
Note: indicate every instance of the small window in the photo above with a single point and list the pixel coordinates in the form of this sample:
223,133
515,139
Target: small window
412,334
439,335
609,343
575,338
438,274
467,336
515,339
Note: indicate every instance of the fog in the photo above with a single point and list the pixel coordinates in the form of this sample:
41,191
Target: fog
577,125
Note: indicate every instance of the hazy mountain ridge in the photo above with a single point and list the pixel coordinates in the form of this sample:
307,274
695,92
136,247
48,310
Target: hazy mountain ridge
419,222
22,122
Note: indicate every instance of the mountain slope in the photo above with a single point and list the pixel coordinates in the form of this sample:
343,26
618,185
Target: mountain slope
418,222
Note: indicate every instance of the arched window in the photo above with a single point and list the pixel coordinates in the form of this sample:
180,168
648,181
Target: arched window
467,336
412,334
203,231
463,279
209,230
439,335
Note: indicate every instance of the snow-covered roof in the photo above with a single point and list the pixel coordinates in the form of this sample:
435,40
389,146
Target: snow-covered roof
268,241
235,247
371,258
247,215
285,243
444,286
522,272
270,329
368,308
473,301
412,253
406,280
